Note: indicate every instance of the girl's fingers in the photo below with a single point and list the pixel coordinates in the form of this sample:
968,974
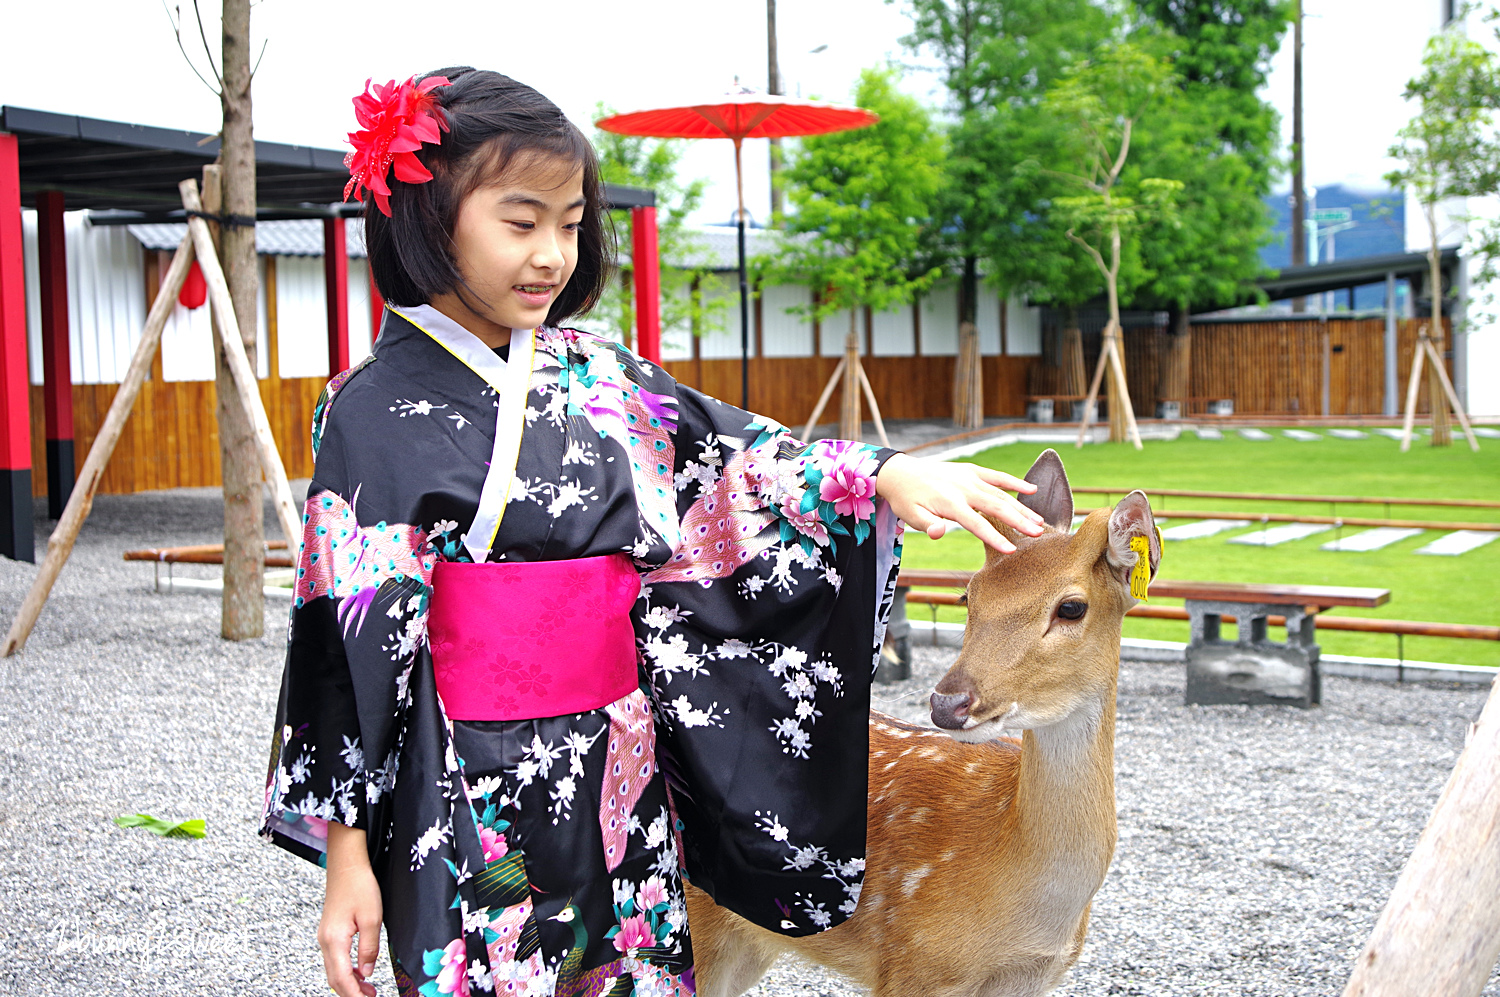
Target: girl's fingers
369,949
334,944
976,524
1002,480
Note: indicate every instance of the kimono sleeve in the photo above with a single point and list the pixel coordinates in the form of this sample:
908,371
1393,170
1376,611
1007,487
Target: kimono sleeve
760,635
345,683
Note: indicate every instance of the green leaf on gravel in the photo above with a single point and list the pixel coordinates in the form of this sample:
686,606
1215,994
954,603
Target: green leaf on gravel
164,828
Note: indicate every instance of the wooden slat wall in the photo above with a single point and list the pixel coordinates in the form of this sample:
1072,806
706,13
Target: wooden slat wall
1276,368
172,437
787,388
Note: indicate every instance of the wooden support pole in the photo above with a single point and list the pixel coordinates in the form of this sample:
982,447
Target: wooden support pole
1092,400
1440,931
833,382
1451,395
864,381
81,499
245,382
1413,385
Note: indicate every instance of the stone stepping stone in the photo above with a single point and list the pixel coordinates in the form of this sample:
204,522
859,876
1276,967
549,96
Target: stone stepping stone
1381,536
1301,435
1199,530
1386,431
1209,433
1349,434
1456,543
1255,434
1485,431
1279,534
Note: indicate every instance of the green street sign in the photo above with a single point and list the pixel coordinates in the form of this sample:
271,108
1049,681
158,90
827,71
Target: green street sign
1332,214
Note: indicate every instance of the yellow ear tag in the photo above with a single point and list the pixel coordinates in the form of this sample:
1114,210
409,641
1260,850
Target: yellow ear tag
1140,575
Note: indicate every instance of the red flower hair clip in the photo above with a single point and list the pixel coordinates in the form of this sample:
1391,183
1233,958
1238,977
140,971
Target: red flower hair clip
394,122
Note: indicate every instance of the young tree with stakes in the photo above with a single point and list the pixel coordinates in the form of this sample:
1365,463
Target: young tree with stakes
1104,98
860,202
1447,150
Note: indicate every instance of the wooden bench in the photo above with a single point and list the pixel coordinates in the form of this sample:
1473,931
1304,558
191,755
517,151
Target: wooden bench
202,554
1252,668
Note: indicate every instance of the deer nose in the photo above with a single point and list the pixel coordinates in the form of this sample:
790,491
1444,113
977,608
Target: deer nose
950,710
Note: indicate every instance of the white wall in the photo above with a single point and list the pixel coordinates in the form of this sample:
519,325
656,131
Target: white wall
940,321
721,327
834,328
783,333
891,333
1023,329
360,333
301,317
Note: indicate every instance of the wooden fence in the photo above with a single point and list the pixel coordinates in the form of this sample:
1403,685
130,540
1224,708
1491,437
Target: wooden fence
172,437
787,388
1283,368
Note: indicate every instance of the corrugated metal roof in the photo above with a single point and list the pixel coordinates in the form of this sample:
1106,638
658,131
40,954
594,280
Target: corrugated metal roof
300,237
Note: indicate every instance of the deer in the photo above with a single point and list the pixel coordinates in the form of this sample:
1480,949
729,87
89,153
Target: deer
984,851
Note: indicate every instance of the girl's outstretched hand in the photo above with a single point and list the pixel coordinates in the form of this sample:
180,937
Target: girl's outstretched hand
924,493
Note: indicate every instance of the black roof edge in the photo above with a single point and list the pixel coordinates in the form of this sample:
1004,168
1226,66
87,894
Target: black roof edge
616,196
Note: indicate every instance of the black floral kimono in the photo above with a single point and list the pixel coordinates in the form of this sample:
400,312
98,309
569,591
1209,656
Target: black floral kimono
767,571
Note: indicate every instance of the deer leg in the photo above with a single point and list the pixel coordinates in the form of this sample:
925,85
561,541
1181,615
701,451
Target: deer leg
729,954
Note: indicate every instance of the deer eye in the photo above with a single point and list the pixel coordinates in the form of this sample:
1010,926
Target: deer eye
1072,610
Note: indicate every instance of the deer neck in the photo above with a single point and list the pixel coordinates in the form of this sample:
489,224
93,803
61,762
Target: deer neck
1065,793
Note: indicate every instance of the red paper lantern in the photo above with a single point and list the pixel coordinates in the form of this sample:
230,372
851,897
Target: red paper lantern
194,290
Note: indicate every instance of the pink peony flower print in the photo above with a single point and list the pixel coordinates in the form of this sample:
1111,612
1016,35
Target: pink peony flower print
453,978
495,846
851,489
633,935
809,525
652,892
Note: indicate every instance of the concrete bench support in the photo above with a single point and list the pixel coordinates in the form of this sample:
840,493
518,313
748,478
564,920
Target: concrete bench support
1251,669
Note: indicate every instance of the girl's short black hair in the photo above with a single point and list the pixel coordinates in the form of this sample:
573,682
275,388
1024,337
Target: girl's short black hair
492,120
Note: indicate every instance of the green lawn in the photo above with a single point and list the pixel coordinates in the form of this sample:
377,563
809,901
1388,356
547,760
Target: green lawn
1463,589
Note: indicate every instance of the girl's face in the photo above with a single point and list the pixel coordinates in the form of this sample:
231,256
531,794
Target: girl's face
516,244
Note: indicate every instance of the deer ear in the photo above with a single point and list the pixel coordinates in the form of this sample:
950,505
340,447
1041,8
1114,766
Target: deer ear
1130,519
1053,498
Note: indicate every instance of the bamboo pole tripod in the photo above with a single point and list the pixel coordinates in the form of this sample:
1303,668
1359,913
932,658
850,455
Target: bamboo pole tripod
851,374
197,243
1122,423
1428,354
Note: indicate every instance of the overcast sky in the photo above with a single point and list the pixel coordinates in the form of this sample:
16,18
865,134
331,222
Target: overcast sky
118,60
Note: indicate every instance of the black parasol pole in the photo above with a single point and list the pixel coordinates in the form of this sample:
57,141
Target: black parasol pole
744,287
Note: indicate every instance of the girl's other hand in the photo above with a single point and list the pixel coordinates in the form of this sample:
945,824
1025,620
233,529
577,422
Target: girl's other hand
926,492
351,906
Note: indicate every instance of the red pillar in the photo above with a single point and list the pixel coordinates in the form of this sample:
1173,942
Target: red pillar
16,539
57,367
377,305
336,285
645,258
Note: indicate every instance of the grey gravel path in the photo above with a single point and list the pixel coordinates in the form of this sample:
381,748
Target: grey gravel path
1256,847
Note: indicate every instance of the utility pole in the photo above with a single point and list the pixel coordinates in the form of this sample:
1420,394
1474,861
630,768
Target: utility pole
1299,193
773,86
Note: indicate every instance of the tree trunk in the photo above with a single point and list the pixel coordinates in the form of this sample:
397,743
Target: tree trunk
968,380
1442,431
1175,362
849,415
244,517
1074,379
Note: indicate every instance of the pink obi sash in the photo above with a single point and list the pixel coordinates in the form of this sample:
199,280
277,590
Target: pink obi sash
537,639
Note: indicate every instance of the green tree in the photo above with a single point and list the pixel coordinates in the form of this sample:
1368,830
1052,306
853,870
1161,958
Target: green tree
1214,133
1098,104
653,164
1448,150
861,200
998,58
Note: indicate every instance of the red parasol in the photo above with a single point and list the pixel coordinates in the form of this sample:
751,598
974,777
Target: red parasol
737,115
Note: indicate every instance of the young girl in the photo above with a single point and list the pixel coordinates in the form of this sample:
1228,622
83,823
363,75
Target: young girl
564,628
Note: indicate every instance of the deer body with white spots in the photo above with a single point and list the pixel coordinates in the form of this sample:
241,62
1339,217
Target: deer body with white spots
984,852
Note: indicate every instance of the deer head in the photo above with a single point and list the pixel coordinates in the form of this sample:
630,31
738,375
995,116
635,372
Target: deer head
1043,635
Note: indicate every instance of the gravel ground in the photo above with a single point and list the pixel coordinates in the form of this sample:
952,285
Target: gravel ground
1256,846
